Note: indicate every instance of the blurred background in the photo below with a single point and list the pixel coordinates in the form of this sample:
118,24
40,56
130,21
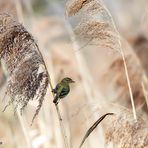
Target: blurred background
100,86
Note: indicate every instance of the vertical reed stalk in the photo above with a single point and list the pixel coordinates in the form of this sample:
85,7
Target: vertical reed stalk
129,85
25,129
60,119
19,11
125,66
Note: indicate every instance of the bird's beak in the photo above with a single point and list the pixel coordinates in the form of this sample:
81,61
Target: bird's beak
72,81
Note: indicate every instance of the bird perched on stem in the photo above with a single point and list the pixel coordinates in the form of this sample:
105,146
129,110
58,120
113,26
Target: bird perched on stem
62,89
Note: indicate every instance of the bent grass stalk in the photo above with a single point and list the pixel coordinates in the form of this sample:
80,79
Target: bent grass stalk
92,128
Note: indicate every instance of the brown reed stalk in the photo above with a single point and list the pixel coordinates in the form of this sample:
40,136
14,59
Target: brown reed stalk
19,11
24,129
60,118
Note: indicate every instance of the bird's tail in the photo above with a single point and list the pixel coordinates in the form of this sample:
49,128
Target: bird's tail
55,100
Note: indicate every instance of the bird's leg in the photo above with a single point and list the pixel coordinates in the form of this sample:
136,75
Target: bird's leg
54,91
57,101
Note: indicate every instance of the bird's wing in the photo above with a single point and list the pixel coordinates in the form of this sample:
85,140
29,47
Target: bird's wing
59,89
64,91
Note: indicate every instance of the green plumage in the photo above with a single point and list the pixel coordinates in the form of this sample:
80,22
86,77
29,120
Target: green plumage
62,89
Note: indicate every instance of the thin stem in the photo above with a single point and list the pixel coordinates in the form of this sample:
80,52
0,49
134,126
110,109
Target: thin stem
57,108
129,86
19,11
125,65
69,125
60,119
24,129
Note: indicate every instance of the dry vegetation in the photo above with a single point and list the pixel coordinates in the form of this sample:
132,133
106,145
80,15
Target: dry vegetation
125,132
110,70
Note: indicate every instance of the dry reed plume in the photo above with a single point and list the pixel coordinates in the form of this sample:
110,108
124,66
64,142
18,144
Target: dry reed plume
95,28
28,77
94,25
124,132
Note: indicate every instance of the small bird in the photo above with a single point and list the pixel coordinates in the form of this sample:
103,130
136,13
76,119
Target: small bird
62,89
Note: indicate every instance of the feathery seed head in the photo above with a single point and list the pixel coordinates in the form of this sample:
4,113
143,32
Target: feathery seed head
125,132
28,76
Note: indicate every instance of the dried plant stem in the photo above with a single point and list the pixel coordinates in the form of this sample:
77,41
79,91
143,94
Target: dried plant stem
69,125
125,66
129,85
25,130
60,119
58,135
58,112
19,11
13,134
43,129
